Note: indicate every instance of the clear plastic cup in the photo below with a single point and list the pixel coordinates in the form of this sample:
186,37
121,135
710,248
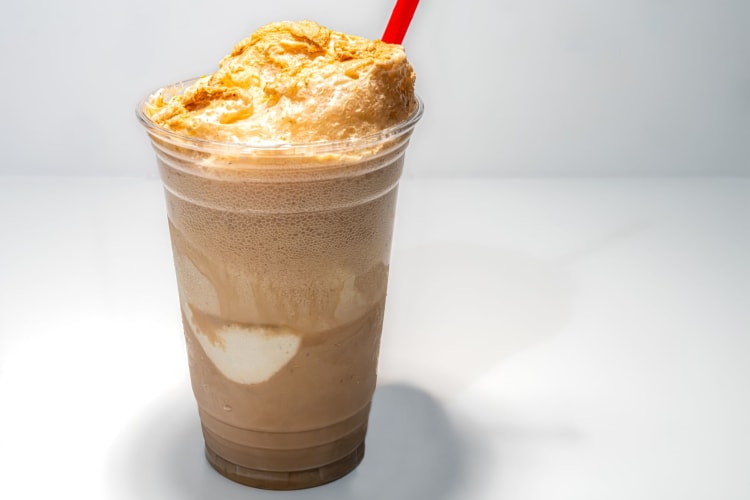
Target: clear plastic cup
281,256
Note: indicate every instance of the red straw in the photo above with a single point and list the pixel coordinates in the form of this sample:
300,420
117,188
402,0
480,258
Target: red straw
401,16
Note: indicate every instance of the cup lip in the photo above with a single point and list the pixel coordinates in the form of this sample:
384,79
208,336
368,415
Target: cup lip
314,148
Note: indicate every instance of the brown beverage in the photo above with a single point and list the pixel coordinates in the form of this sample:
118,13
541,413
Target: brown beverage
281,254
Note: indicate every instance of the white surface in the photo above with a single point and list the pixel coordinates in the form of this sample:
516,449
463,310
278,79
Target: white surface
567,339
532,87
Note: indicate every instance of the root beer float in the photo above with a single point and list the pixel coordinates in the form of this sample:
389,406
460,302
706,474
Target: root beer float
280,173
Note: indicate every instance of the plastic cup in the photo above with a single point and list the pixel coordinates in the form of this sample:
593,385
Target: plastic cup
281,256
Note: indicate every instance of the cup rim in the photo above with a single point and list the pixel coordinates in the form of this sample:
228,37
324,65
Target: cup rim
314,148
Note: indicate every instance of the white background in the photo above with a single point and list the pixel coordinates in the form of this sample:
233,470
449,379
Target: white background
512,87
565,339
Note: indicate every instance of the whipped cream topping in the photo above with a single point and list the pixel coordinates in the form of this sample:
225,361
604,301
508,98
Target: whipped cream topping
293,83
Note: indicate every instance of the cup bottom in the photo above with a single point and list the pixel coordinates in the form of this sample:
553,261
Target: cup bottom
286,480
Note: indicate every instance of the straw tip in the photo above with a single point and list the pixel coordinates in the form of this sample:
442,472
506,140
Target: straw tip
398,24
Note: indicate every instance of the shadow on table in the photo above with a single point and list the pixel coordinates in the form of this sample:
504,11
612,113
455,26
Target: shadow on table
412,453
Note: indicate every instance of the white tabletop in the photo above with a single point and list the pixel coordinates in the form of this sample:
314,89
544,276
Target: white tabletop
566,339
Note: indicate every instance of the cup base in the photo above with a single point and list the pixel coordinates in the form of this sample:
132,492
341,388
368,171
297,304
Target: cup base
286,480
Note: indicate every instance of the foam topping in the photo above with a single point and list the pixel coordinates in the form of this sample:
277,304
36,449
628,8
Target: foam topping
294,82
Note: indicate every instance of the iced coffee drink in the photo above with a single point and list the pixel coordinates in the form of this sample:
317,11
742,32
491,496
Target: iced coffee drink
280,172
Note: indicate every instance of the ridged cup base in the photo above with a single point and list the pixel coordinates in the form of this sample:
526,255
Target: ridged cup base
286,480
